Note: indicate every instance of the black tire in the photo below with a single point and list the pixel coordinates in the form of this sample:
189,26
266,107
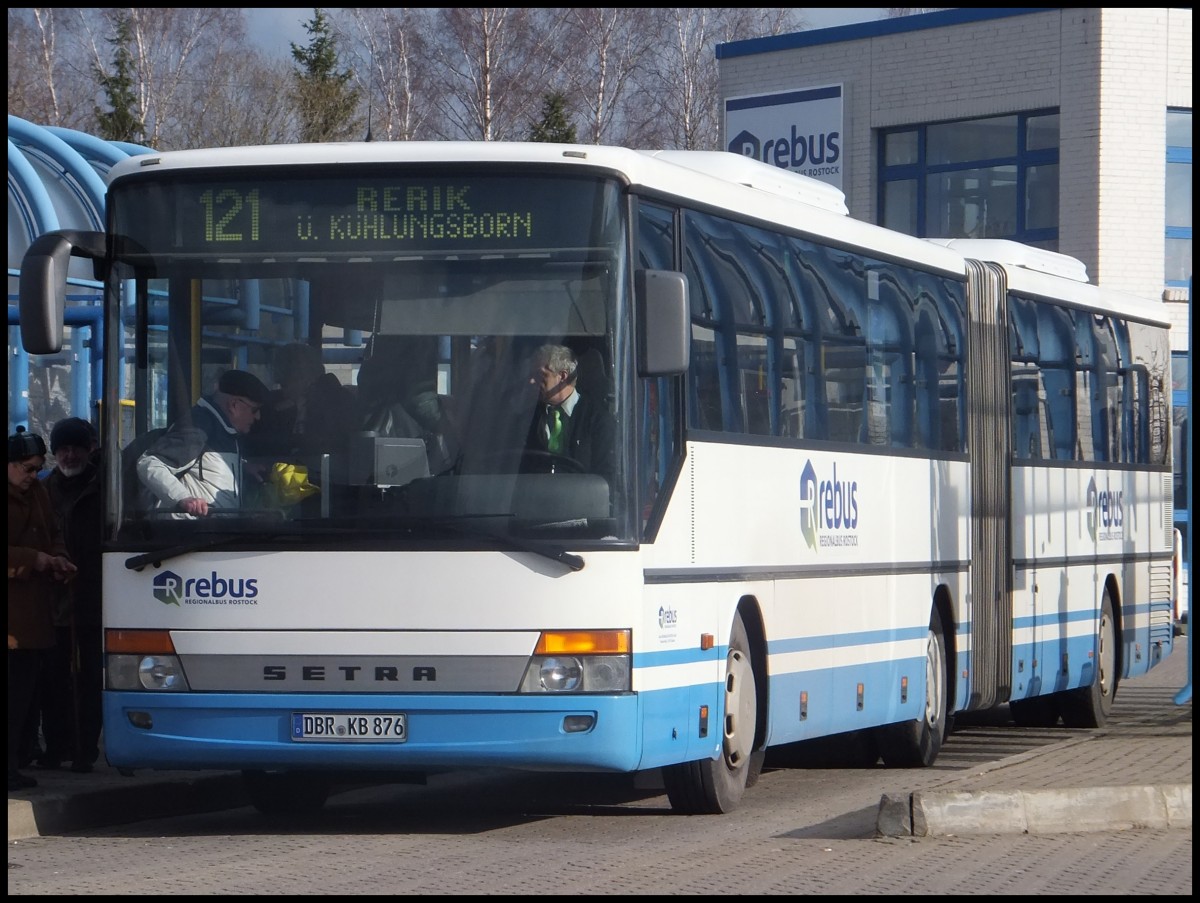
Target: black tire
916,743
714,786
286,792
1091,706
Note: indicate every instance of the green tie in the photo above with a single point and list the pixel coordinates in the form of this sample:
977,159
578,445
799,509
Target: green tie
554,422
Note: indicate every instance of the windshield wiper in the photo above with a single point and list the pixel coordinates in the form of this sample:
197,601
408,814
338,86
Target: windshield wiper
137,562
269,526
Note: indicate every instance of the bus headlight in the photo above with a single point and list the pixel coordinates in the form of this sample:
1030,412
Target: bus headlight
162,673
577,674
561,674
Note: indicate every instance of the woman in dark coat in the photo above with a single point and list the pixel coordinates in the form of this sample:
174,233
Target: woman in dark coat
37,564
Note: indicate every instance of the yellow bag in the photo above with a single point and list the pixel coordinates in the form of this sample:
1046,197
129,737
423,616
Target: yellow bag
289,483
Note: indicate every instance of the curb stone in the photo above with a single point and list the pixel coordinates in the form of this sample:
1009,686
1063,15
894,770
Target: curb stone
1075,810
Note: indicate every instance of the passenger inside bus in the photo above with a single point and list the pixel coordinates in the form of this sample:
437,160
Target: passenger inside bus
309,413
398,391
197,464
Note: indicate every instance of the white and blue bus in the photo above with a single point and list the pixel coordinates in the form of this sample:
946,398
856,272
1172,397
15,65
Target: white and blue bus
862,481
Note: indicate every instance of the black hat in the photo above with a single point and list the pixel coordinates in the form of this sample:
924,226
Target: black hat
72,431
244,385
22,445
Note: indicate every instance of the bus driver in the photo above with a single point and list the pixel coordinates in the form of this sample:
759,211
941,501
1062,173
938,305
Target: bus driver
567,422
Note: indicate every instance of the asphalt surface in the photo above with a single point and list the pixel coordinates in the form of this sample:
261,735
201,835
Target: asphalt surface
1136,772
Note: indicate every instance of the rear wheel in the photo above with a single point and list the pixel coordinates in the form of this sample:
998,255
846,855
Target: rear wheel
916,743
286,792
713,786
1091,706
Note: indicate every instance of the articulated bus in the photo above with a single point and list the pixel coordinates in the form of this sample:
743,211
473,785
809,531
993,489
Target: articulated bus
863,481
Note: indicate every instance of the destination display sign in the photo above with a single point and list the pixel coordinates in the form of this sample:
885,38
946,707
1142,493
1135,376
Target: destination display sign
344,213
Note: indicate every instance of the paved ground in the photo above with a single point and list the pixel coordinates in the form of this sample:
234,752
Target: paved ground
1134,773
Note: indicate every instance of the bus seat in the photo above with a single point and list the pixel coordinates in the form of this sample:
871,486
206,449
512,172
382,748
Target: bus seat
591,376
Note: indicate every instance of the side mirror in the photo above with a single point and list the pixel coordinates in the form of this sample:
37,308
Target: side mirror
43,291
663,322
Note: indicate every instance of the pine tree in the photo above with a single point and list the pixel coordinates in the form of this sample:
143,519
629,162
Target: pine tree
554,127
326,101
121,122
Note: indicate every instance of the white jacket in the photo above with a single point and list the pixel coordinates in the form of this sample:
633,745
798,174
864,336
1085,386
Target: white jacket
203,461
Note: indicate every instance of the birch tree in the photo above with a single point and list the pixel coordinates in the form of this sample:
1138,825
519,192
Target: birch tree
494,66
389,48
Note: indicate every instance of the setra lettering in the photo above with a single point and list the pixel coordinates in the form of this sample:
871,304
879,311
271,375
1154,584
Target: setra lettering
350,673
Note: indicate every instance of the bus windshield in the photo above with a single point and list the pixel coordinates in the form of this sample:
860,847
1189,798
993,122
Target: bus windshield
404,325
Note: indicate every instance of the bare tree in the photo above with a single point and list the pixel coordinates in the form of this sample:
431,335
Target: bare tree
45,83
678,95
606,47
179,55
389,48
196,82
495,66
244,108
643,78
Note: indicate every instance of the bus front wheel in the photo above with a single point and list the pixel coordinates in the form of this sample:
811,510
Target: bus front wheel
713,786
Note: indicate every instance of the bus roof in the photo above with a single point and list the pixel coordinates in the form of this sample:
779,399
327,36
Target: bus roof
1052,275
716,180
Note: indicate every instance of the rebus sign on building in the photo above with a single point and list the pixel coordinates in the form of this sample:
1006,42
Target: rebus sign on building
796,130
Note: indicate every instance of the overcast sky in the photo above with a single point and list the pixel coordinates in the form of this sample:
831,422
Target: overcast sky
280,28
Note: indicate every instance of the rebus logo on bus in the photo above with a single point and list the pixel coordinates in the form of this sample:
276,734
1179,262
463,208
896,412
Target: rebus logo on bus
1105,513
172,589
828,509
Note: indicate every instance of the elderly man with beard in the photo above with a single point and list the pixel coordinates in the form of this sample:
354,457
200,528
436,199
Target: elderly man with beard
71,690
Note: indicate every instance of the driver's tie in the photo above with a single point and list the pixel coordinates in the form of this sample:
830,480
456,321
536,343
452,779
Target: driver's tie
554,437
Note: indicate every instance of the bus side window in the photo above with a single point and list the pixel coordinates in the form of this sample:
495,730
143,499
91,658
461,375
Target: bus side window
1057,360
928,389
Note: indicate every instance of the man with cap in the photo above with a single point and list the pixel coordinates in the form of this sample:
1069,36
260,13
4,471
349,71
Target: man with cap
197,466
71,692
37,564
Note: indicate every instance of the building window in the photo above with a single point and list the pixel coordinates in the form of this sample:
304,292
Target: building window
974,178
1179,198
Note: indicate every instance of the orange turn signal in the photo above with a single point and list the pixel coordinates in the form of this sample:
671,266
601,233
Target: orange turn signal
583,642
139,642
